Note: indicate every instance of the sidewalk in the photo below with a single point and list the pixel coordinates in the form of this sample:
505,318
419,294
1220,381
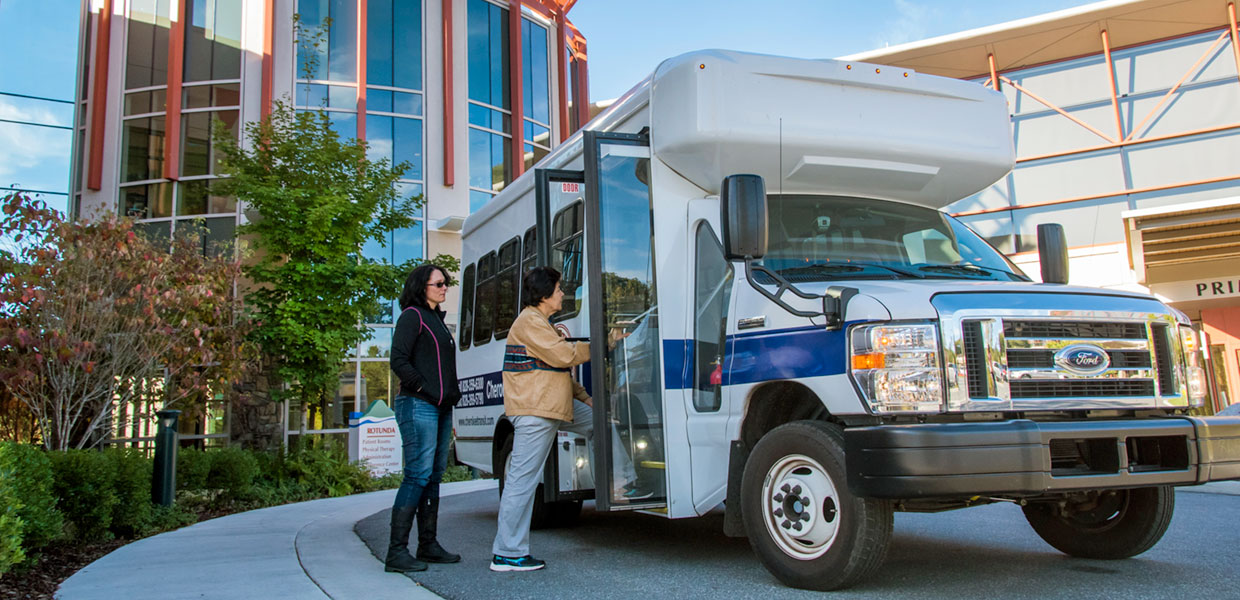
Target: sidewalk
306,550
303,551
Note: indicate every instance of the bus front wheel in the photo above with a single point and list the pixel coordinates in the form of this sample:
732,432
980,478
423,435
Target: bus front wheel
804,524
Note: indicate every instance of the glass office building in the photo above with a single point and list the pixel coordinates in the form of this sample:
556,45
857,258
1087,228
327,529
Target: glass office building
470,93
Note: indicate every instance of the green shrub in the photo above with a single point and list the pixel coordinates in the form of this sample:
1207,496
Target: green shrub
326,471
193,466
85,484
232,470
31,481
132,515
10,523
167,518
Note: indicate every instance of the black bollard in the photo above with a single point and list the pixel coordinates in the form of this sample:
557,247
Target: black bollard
164,479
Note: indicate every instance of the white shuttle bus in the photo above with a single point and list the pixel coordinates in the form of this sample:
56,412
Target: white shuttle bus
809,341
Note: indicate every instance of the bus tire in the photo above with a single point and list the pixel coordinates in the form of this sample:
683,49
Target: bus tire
546,515
803,522
1106,525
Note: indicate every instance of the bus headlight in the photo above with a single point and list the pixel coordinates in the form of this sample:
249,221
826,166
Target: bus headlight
1195,370
897,367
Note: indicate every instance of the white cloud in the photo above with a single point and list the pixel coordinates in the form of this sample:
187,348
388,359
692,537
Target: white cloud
909,25
31,156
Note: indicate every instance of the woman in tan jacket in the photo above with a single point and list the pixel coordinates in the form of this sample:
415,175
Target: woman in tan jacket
538,395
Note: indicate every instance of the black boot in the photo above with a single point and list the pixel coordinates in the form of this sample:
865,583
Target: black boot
399,560
429,549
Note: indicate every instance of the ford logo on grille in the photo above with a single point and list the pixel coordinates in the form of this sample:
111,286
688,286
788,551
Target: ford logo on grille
1083,359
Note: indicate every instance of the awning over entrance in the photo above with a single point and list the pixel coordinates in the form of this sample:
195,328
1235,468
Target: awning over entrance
1052,37
1188,254
1184,241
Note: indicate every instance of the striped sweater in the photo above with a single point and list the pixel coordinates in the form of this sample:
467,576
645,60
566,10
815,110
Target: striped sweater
537,380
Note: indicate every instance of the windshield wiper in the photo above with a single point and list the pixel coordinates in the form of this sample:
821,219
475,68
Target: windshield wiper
967,269
850,267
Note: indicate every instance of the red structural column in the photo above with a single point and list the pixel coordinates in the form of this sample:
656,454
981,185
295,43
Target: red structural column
449,124
517,94
172,120
269,23
1235,38
1119,120
994,73
361,69
99,97
583,86
561,55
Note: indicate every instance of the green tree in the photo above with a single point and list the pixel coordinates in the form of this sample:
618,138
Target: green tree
315,200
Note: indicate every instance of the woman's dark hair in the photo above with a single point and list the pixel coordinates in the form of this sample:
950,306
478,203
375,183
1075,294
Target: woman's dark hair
414,293
538,285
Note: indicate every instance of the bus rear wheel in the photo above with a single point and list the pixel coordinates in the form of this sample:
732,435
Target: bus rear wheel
546,515
804,524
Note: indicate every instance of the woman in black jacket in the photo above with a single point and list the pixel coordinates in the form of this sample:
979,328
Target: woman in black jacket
424,360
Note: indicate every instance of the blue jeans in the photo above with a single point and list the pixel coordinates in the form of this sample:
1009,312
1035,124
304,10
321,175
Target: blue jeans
425,434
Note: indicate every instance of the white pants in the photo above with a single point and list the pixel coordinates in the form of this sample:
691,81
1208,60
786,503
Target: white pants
531,443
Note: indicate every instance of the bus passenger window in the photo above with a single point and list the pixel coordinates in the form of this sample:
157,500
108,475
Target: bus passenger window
467,306
566,257
507,281
529,254
484,301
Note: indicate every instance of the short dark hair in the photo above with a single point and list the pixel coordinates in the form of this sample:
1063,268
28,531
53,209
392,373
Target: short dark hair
538,285
414,293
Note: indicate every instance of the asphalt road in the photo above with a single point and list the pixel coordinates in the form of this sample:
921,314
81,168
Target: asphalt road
983,552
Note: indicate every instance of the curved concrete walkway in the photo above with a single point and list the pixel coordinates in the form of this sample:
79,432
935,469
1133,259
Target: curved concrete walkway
304,551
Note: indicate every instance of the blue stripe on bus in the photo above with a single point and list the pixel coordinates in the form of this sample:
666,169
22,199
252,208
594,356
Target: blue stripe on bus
750,358
761,356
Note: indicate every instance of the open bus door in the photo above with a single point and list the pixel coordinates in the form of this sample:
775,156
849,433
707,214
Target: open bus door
594,226
625,342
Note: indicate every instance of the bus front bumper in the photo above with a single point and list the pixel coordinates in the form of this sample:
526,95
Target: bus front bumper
1023,457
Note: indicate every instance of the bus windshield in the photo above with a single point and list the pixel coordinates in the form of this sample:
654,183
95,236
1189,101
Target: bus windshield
824,238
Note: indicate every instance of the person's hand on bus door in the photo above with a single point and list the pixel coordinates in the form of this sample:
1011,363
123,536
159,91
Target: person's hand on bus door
615,334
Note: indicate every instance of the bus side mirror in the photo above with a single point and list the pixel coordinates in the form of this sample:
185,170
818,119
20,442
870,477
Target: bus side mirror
742,214
1053,253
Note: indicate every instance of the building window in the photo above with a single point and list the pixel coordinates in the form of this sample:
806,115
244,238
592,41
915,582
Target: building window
332,66
536,92
490,112
146,52
212,40
337,56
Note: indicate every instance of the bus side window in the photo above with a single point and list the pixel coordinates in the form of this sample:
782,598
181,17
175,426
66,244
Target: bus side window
467,306
566,254
507,281
484,317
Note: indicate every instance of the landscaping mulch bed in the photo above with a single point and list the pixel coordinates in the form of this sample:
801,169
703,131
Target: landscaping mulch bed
56,564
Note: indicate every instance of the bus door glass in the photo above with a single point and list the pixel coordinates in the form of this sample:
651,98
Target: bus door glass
625,341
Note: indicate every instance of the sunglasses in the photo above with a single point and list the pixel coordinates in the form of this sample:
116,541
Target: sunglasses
441,284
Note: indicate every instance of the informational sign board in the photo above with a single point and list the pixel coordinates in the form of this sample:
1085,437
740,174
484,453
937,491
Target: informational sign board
1202,289
374,439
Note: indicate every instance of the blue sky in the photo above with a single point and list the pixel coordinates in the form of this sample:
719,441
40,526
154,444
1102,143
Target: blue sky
627,39
38,57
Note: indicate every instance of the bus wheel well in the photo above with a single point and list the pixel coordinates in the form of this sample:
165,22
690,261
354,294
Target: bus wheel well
774,404
503,429
768,406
